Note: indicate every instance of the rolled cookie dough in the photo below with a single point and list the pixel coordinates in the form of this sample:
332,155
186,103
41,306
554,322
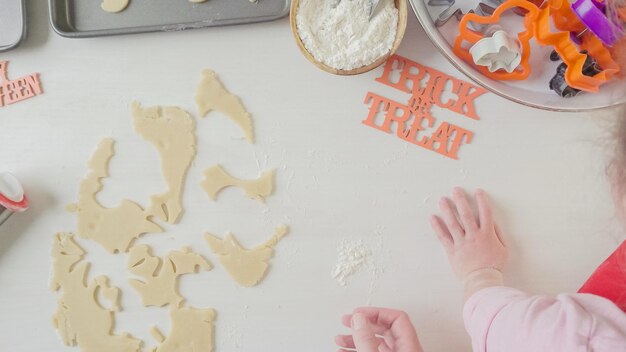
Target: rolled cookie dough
81,318
160,284
114,5
216,179
171,130
192,331
246,267
212,95
114,228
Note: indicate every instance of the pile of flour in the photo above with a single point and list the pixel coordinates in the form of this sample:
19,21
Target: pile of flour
351,257
340,34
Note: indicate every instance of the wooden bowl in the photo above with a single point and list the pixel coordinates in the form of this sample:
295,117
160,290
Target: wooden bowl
402,18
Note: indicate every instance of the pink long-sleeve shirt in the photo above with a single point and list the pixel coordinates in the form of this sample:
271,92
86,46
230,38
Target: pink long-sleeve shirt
508,320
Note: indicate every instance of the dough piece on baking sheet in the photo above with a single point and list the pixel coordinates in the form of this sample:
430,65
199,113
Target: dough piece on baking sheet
212,95
114,228
82,319
114,6
192,330
246,267
171,130
159,286
216,179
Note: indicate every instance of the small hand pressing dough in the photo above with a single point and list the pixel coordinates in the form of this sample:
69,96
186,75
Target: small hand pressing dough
212,95
114,228
81,318
246,267
192,331
216,179
160,285
114,5
171,130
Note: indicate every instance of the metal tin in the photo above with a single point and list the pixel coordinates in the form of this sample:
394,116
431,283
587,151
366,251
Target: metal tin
534,92
80,18
12,23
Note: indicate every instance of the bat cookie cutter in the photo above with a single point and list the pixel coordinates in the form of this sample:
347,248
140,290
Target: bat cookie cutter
12,197
473,37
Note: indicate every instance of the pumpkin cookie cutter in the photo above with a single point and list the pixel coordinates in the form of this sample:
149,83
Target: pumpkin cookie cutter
569,52
473,37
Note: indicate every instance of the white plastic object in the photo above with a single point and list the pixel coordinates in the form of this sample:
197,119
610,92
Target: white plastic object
10,187
497,52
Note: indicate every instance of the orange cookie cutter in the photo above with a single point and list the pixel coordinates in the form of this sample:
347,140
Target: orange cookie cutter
569,51
468,35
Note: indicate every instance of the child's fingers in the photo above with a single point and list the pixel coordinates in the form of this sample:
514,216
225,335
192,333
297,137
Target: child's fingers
384,348
485,214
499,234
379,329
466,214
450,219
442,232
344,341
365,340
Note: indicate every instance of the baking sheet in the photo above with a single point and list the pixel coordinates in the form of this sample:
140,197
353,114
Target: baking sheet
12,23
534,91
80,18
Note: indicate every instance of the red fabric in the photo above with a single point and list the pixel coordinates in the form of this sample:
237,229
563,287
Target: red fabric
609,279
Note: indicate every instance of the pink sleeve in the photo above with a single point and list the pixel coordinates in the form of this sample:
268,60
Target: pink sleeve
506,319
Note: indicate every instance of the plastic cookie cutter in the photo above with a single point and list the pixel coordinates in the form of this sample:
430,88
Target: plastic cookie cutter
497,51
593,14
569,51
12,197
454,10
473,37
560,86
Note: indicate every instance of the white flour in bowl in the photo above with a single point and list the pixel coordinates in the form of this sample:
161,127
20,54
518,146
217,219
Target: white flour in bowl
340,34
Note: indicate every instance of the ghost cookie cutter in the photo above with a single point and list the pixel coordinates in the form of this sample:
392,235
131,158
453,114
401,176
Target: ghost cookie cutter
497,51
473,37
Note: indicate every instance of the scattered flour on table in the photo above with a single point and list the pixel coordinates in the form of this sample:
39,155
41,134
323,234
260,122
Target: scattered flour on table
340,34
352,256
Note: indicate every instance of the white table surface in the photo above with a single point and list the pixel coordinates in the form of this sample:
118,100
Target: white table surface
337,180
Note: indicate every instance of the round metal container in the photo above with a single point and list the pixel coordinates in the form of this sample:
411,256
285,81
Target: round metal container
534,91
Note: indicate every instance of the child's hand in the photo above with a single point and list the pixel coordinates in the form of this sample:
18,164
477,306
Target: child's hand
379,330
475,250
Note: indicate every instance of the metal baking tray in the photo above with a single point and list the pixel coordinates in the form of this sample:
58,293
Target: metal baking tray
12,23
534,91
81,19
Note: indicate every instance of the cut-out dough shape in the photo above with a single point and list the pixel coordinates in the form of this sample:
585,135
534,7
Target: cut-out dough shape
246,267
160,277
114,228
171,130
216,179
81,319
192,331
114,6
212,95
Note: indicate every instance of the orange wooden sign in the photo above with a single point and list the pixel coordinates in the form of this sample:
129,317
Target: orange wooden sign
12,91
413,121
